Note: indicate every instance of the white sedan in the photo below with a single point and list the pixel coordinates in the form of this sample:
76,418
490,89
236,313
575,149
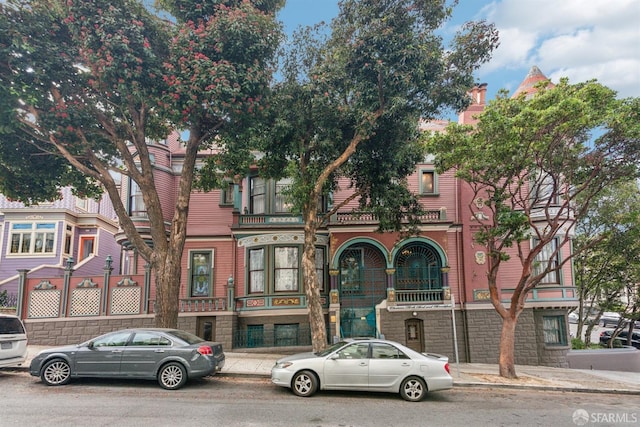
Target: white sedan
364,365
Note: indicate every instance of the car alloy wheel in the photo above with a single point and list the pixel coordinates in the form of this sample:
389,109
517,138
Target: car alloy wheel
172,376
413,389
56,372
304,383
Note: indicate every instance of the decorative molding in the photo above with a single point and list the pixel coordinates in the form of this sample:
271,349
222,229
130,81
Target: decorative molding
127,281
269,239
481,295
480,257
44,285
87,283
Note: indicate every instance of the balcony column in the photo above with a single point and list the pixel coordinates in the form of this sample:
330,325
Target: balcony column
391,291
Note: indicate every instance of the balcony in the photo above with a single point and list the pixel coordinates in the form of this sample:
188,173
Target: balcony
267,221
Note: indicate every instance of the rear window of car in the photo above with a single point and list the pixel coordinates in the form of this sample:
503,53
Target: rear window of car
187,337
11,325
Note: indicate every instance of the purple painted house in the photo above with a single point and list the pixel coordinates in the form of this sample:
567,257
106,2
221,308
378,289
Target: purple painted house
43,238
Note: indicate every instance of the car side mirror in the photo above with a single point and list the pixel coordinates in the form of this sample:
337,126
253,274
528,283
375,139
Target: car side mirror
334,356
90,345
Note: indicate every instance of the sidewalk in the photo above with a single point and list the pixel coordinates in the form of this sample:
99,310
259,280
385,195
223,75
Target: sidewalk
464,374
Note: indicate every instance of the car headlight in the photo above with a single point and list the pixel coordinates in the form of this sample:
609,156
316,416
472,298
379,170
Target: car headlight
283,365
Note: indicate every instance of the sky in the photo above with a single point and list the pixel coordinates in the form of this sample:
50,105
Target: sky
577,39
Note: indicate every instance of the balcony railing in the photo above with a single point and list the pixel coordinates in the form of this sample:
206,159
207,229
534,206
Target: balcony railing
270,220
423,296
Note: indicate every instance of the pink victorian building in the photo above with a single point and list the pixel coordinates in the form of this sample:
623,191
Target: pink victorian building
242,278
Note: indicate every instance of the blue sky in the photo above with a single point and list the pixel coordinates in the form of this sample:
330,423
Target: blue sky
578,39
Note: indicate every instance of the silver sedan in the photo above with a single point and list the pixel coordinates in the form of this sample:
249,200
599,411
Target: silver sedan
170,356
364,365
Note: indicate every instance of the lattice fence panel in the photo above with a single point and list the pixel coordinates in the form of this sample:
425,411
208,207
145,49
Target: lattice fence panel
44,303
125,300
85,302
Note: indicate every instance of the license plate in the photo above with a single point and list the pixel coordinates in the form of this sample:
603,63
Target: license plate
5,345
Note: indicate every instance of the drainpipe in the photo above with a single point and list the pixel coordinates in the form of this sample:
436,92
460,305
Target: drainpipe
147,287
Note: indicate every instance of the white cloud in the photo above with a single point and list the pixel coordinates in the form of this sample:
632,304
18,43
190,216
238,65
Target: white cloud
578,39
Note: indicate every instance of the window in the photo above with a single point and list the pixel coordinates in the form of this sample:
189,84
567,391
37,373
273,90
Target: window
82,204
544,189
282,206
320,267
354,351
68,236
285,335
117,339
256,270
86,247
136,203
200,273
386,351
547,258
428,182
286,269
258,189
149,339
554,330
32,238
226,195
255,335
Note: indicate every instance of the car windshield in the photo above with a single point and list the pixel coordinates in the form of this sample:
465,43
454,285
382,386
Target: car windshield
331,349
187,337
11,325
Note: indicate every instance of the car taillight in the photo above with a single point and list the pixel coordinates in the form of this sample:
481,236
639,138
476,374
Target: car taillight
205,350
446,368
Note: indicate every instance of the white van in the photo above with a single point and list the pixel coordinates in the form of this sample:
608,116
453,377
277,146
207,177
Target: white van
13,341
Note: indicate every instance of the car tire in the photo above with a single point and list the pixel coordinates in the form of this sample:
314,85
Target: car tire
413,389
56,372
172,376
304,384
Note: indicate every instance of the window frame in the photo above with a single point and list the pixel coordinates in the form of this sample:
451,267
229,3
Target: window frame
196,272
554,334
25,240
434,182
227,195
541,263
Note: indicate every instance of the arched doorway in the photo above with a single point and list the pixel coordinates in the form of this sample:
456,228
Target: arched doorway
362,284
418,268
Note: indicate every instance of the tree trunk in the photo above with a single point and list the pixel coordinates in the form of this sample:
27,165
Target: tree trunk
312,290
506,361
167,292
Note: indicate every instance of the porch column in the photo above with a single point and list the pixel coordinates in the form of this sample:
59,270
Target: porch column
391,291
231,294
334,304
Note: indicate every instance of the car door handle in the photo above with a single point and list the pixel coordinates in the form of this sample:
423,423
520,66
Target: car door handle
363,363
116,351
159,350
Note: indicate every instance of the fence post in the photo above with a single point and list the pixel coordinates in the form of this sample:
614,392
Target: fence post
22,287
147,287
107,278
68,271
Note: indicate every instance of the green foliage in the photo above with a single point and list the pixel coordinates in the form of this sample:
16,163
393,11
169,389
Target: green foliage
538,163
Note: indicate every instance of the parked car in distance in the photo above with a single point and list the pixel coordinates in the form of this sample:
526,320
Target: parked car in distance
13,341
364,365
620,339
573,317
609,318
170,356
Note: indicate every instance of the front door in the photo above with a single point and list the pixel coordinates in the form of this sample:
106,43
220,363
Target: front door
414,331
206,327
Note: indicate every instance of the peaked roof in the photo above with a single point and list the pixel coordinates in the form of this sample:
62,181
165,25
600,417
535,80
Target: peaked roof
527,86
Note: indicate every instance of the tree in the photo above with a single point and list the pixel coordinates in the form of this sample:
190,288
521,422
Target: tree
537,164
84,85
609,270
348,109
